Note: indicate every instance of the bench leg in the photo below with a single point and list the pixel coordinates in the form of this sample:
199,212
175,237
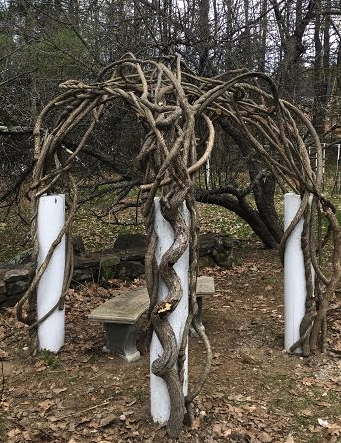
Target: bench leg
198,317
121,340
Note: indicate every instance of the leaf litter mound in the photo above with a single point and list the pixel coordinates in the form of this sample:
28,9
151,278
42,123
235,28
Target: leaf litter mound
256,393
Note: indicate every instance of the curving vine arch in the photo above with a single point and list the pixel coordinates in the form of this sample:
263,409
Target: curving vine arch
171,103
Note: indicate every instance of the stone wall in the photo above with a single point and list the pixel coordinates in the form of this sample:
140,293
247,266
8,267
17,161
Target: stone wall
124,260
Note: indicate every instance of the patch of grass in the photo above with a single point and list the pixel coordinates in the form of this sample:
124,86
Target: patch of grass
4,427
92,358
217,219
50,359
100,234
73,378
269,278
304,405
13,233
139,395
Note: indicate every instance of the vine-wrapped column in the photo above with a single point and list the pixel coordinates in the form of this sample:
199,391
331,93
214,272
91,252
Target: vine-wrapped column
161,397
51,218
294,275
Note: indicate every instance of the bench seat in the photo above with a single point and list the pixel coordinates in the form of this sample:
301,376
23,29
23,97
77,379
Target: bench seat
121,313
125,307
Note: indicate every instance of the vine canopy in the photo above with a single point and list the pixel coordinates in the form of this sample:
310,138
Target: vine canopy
179,112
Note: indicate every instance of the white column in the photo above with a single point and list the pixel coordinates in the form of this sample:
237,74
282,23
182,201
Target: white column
208,173
159,397
338,169
51,217
294,275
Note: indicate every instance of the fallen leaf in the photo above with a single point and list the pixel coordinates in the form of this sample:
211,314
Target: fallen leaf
334,429
323,423
59,390
106,420
45,406
323,403
264,437
217,428
13,432
196,423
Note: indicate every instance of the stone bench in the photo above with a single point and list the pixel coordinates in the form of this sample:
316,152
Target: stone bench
120,316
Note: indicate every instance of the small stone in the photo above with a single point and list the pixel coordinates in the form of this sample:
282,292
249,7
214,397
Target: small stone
264,437
17,274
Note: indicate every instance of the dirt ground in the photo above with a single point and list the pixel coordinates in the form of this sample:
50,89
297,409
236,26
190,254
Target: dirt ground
255,392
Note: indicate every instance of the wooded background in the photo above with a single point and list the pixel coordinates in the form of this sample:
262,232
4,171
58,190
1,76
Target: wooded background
43,43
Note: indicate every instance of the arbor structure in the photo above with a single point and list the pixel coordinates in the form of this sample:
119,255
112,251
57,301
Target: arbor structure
179,112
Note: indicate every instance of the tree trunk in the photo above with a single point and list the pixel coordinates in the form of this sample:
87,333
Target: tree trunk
264,222
245,211
321,72
204,37
292,46
263,33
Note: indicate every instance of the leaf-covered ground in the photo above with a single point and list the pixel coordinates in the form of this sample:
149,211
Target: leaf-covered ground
255,392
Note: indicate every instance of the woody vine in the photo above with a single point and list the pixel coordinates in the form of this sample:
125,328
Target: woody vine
171,103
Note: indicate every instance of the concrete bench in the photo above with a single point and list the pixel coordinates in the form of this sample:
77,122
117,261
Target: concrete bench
120,316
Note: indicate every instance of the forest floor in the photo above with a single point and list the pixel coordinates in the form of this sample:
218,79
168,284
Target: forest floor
255,391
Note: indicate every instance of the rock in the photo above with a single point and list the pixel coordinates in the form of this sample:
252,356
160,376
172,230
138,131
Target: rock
14,280
22,258
223,259
135,254
228,240
14,274
89,261
125,259
131,269
129,241
78,245
206,244
109,268
17,287
206,262
264,437
82,275
217,247
7,301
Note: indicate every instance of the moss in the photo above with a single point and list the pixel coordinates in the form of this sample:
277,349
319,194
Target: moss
109,268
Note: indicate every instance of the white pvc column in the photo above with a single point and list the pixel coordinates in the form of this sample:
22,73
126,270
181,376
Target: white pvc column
159,397
294,275
338,169
208,173
51,217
